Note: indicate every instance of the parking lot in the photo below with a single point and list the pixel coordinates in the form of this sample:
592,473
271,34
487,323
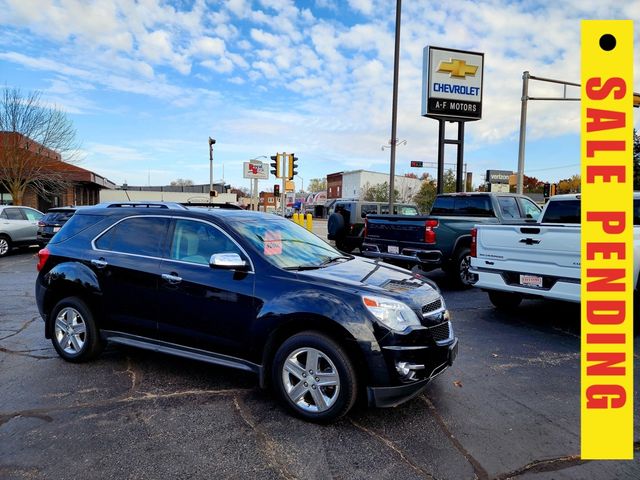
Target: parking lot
508,408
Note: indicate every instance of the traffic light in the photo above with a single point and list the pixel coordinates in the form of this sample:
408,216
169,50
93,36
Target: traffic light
415,163
275,165
293,164
547,190
276,190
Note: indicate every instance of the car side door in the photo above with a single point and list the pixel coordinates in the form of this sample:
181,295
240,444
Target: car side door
126,260
204,307
32,216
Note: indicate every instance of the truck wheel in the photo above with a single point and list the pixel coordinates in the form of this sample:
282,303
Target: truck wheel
344,246
314,377
505,300
459,272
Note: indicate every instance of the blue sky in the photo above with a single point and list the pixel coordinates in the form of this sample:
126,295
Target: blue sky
147,82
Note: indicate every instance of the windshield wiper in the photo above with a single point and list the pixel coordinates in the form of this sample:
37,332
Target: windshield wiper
302,267
334,259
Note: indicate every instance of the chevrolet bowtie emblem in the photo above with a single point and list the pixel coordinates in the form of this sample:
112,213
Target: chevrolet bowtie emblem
457,68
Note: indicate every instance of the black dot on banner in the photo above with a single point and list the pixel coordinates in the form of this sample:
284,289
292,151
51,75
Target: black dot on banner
607,42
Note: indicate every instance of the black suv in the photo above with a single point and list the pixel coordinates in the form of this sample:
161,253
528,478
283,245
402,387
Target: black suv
52,222
245,290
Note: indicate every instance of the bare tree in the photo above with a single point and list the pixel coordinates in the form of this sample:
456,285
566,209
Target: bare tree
181,182
33,140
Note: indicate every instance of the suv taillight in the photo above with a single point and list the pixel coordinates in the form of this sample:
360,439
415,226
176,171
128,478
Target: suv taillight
43,256
474,242
429,232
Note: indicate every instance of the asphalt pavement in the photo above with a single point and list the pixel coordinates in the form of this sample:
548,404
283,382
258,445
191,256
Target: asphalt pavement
508,408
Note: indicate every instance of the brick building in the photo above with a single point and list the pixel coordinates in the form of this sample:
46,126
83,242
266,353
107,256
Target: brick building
84,185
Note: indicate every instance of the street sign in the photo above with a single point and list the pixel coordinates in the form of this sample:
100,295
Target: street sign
255,169
416,163
290,186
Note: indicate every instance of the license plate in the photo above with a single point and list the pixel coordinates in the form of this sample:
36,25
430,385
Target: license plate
531,281
56,229
393,249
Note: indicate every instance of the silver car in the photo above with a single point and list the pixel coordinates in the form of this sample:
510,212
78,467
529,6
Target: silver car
18,226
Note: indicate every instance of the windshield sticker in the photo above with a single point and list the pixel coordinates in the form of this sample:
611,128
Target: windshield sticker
273,243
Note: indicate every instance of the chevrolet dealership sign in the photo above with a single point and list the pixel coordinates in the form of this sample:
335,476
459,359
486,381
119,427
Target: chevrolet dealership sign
452,84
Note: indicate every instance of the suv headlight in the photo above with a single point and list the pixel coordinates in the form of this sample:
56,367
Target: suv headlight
391,313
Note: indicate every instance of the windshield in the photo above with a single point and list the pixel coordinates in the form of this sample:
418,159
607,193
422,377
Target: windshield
284,243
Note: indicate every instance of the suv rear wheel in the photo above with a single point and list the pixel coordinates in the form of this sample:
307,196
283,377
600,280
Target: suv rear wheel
75,335
315,377
459,271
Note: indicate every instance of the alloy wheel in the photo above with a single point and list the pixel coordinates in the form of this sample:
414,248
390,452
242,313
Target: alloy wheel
311,380
70,330
4,246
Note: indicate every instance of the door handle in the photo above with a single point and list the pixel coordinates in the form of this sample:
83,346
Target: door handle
100,263
172,279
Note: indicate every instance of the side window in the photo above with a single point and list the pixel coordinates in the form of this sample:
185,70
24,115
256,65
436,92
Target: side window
14,214
509,207
369,209
32,215
138,235
3,215
195,242
530,209
636,212
562,211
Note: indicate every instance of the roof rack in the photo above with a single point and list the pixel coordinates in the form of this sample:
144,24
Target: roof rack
226,205
168,205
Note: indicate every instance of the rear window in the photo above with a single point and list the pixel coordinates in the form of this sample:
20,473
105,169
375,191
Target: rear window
562,211
369,209
75,225
58,217
472,205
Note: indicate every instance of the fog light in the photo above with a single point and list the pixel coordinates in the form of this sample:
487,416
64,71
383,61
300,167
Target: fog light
408,370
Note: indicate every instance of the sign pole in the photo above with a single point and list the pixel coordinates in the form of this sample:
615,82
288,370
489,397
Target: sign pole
440,180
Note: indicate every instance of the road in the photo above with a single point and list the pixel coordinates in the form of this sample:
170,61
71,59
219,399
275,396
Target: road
508,408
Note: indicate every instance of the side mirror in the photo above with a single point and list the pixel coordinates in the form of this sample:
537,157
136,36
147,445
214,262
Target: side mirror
228,261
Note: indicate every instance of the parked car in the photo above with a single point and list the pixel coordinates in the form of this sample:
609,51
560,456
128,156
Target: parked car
245,290
346,220
442,239
539,260
18,227
52,222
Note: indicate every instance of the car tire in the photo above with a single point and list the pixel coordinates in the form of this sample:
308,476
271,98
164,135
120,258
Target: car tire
5,245
74,332
302,362
344,246
505,300
459,271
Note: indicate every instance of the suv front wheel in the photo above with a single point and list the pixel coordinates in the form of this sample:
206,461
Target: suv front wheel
315,377
74,333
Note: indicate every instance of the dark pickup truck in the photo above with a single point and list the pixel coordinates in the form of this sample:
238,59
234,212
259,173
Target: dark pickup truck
442,239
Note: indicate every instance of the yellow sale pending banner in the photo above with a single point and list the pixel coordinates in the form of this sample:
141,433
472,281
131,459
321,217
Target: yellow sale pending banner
607,240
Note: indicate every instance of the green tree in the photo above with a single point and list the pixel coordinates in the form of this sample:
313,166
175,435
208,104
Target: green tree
426,195
378,193
636,160
317,185
449,181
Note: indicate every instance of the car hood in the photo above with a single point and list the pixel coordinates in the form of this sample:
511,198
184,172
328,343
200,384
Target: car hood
376,278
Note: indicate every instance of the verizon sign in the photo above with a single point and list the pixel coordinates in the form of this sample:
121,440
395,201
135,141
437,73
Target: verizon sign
452,84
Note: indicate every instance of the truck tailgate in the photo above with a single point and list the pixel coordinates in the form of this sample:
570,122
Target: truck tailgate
396,228
541,249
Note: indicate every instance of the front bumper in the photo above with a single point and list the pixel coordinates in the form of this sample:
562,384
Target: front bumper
395,395
429,259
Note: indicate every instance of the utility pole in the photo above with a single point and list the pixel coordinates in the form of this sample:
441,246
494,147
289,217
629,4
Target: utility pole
394,109
211,144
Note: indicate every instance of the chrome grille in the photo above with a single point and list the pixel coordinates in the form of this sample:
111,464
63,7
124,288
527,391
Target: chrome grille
432,307
441,332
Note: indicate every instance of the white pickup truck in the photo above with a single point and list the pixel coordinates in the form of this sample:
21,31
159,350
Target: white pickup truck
540,259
